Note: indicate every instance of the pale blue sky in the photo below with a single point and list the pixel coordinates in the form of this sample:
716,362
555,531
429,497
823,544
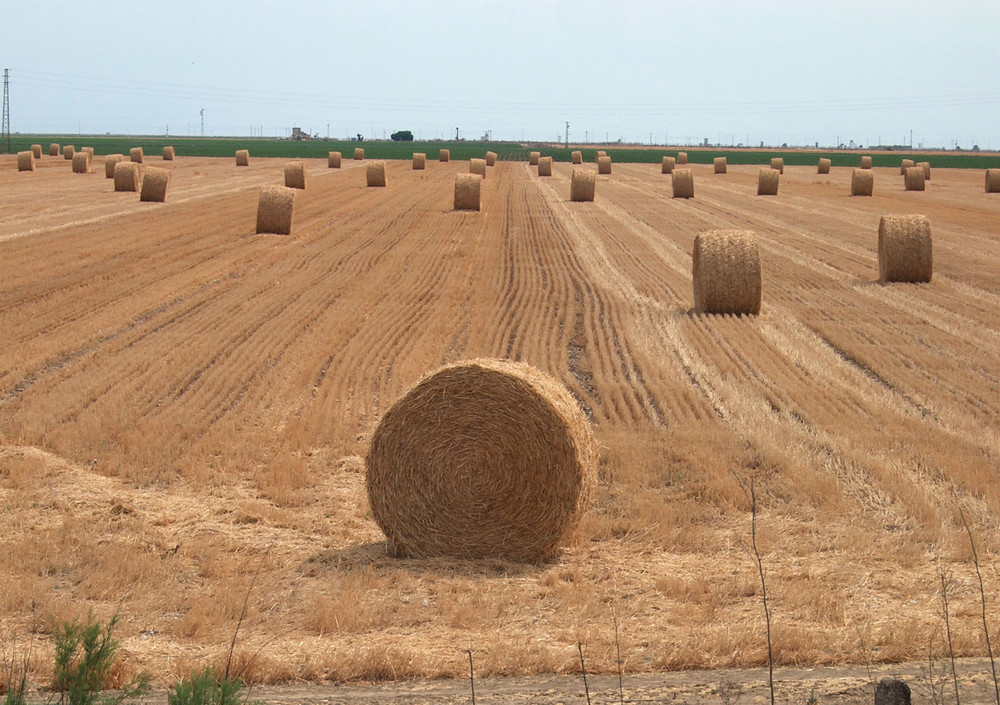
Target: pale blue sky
779,71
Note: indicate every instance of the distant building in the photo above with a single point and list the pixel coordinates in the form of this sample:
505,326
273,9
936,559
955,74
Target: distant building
298,134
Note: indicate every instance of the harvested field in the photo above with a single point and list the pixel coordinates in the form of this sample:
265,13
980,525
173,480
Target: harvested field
183,402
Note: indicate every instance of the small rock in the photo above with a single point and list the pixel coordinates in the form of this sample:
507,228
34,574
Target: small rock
892,691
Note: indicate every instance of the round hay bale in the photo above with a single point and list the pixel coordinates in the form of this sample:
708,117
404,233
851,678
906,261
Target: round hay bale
726,272
36,149
598,154
168,154
866,162
375,173
491,159
154,185
926,166
533,158
274,209
109,164
88,150
767,182
295,174
682,157
993,181
467,190
778,163
481,459
54,150
444,155
682,181
69,152
904,249
720,165
824,166
135,155
604,165
242,157
419,161
577,157
904,165
333,160
914,179
359,153
128,176
545,166
81,163
477,166
668,165
582,185
25,161
862,182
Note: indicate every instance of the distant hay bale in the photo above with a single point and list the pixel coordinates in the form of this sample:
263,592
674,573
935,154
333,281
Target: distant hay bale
333,160
26,161
582,185
467,190
577,157
481,459
128,176
81,163
604,165
533,158
726,272
778,163
444,155
767,182
720,165
682,182
668,165
69,152
135,155
36,149
88,150
359,153
904,249
866,162
168,154
477,166
109,164
993,181
295,174
824,166
491,158
904,165
274,210
926,166
375,173
54,150
862,182
598,154
913,180
419,161
242,157
682,157
154,185
545,166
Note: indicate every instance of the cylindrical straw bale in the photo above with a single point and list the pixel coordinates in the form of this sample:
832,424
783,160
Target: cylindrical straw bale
582,185
26,161
274,210
419,161
533,158
668,165
444,155
778,163
904,249
467,189
604,165
128,176
54,150
295,174
682,181
491,158
481,459
545,166
375,173
914,179
242,157
824,166
767,182
154,185
36,149
135,155
726,272
577,156
359,153
682,157
88,150
993,181
599,153
168,154
333,160
69,152
477,166
904,165
81,163
720,165
866,162
926,166
109,164
862,182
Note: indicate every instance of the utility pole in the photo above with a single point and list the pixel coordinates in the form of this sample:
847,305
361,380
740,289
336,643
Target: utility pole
5,133
202,122
567,134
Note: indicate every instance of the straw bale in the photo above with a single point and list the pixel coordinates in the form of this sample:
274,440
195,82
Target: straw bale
333,160
375,173
26,161
481,459
533,158
682,181
274,209
135,155
81,163
824,166
862,182
128,176
926,166
913,180
604,165
154,185
904,165
69,152
419,161
726,272
109,164
904,249
993,181
444,155
668,165
866,162
582,185
720,165
477,166
545,166
359,153
295,174
491,159
577,156
767,182
36,149
88,150
242,157
598,154
54,150
168,154
779,164
467,189
682,157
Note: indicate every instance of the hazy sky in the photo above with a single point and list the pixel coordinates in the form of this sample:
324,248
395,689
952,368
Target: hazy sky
736,71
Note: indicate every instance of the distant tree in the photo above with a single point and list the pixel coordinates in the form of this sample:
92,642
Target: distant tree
402,136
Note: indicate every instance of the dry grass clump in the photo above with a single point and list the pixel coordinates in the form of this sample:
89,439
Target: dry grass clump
109,164
726,272
667,167
467,192
168,154
419,161
333,160
904,165
604,165
154,185
242,157
491,158
444,155
68,152
720,165
274,210
36,149
778,163
993,181
683,183
862,182
26,161
682,157
375,173
545,166
582,185
295,174
577,157
135,155
866,162
477,166
913,180
824,166
533,158
359,153
481,459
904,249
81,163
767,182
128,176
54,150
926,166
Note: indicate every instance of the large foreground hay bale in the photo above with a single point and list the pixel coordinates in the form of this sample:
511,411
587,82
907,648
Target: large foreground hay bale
904,165
54,150
242,157
477,166
419,161
444,155
582,185
926,166
128,176
993,181
168,154
904,249
576,156
778,163
135,155
604,165
767,182
533,158
682,157
81,163
109,164
726,272
274,209
866,162
69,152
359,153
26,161
824,166
36,150
481,459
295,174
467,190
491,159
682,181
375,173
545,166
720,165
333,160
862,182
154,185
913,180
667,167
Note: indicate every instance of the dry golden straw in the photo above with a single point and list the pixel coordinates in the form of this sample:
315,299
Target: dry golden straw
477,166
69,152
904,249
993,181
726,272
668,165
467,189
168,154
913,180
926,166
25,161
242,157
295,174
720,165
375,173
491,158
419,161
866,162
533,158
862,182
598,154
274,210
135,155
481,459
682,182
154,185
545,166
682,157
604,165
36,149
824,166
109,164
582,185
767,182
444,155
359,153
128,176
54,150
577,157
333,160
904,165
81,163
778,163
